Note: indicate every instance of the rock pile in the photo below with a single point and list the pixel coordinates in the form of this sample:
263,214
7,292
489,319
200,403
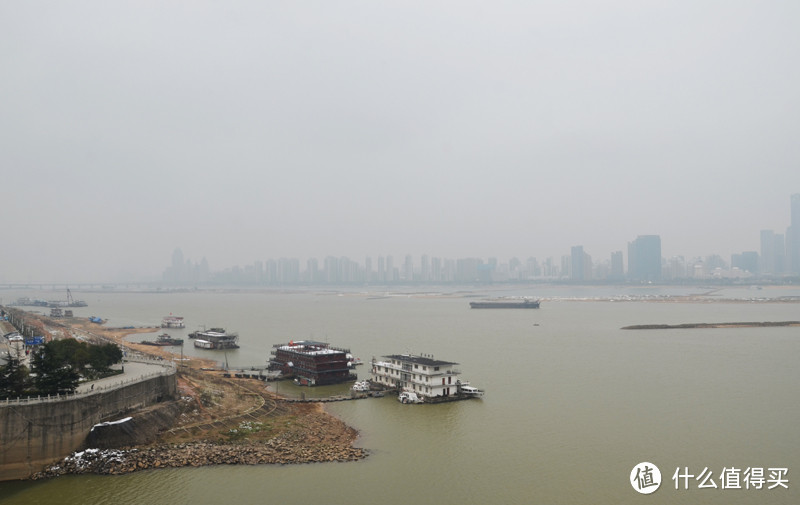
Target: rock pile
275,451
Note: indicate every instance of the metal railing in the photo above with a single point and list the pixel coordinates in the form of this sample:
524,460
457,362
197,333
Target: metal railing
168,368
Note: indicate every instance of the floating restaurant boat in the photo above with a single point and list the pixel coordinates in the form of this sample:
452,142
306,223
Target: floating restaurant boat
171,321
422,379
311,363
505,304
215,338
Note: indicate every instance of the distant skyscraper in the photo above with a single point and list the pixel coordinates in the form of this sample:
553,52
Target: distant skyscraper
577,263
773,253
746,261
767,252
793,235
644,258
381,269
617,266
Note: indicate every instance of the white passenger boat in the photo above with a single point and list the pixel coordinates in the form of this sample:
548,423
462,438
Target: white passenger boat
409,397
361,386
472,391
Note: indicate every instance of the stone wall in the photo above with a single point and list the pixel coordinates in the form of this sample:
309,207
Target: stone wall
34,434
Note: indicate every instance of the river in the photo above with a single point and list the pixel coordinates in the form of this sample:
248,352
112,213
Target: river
572,402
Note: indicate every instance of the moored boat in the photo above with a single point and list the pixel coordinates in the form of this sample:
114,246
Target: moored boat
163,340
311,363
361,386
171,321
471,391
218,338
421,379
408,397
505,304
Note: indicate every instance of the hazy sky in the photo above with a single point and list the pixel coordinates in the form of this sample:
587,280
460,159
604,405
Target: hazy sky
247,130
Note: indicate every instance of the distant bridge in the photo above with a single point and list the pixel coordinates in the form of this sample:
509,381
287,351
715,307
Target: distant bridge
63,286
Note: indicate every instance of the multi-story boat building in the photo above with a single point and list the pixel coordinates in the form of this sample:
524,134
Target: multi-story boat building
311,363
430,379
171,321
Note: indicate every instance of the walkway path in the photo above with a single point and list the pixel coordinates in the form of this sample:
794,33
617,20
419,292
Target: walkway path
133,370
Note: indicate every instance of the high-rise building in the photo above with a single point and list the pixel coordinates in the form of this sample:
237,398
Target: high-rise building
793,235
767,252
746,261
577,263
644,258
381,269
617,266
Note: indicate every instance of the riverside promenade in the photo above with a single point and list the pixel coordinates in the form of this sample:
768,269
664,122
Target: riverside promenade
39,430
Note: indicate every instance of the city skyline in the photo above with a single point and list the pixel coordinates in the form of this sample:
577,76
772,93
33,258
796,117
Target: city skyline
645,263
773,246
778,257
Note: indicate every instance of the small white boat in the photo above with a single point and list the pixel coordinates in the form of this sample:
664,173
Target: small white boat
361,386
353,362
409,397
471,391
203,344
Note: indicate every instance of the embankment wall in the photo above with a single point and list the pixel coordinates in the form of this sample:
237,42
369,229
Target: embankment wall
33,434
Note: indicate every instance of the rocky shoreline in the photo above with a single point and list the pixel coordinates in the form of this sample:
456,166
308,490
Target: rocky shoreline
122,461
318,438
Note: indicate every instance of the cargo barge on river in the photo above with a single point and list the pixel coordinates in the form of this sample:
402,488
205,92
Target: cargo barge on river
163,340
505,304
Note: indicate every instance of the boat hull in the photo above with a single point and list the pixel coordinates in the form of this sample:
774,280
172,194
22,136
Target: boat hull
504,305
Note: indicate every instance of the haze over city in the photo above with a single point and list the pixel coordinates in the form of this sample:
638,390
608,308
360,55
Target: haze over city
242,131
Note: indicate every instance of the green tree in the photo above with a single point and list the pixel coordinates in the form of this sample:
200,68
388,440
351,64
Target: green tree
54,368
101,357
14,378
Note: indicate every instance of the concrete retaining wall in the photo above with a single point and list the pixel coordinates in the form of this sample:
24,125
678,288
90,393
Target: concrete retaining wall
35,434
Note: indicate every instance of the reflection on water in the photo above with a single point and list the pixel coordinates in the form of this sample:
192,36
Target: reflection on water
572,402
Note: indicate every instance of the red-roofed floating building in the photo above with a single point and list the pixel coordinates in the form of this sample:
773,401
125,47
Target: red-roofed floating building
311,363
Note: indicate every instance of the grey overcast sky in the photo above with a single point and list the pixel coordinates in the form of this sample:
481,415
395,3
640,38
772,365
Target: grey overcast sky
247,130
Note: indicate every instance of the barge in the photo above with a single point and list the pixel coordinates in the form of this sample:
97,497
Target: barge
505,304
163,340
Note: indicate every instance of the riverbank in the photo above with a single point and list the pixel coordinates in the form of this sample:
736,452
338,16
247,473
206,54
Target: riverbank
311,436
220,421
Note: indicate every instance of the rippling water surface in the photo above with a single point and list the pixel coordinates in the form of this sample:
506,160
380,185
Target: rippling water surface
573,402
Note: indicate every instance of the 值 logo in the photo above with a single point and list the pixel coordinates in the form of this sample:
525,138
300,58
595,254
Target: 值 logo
645,478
